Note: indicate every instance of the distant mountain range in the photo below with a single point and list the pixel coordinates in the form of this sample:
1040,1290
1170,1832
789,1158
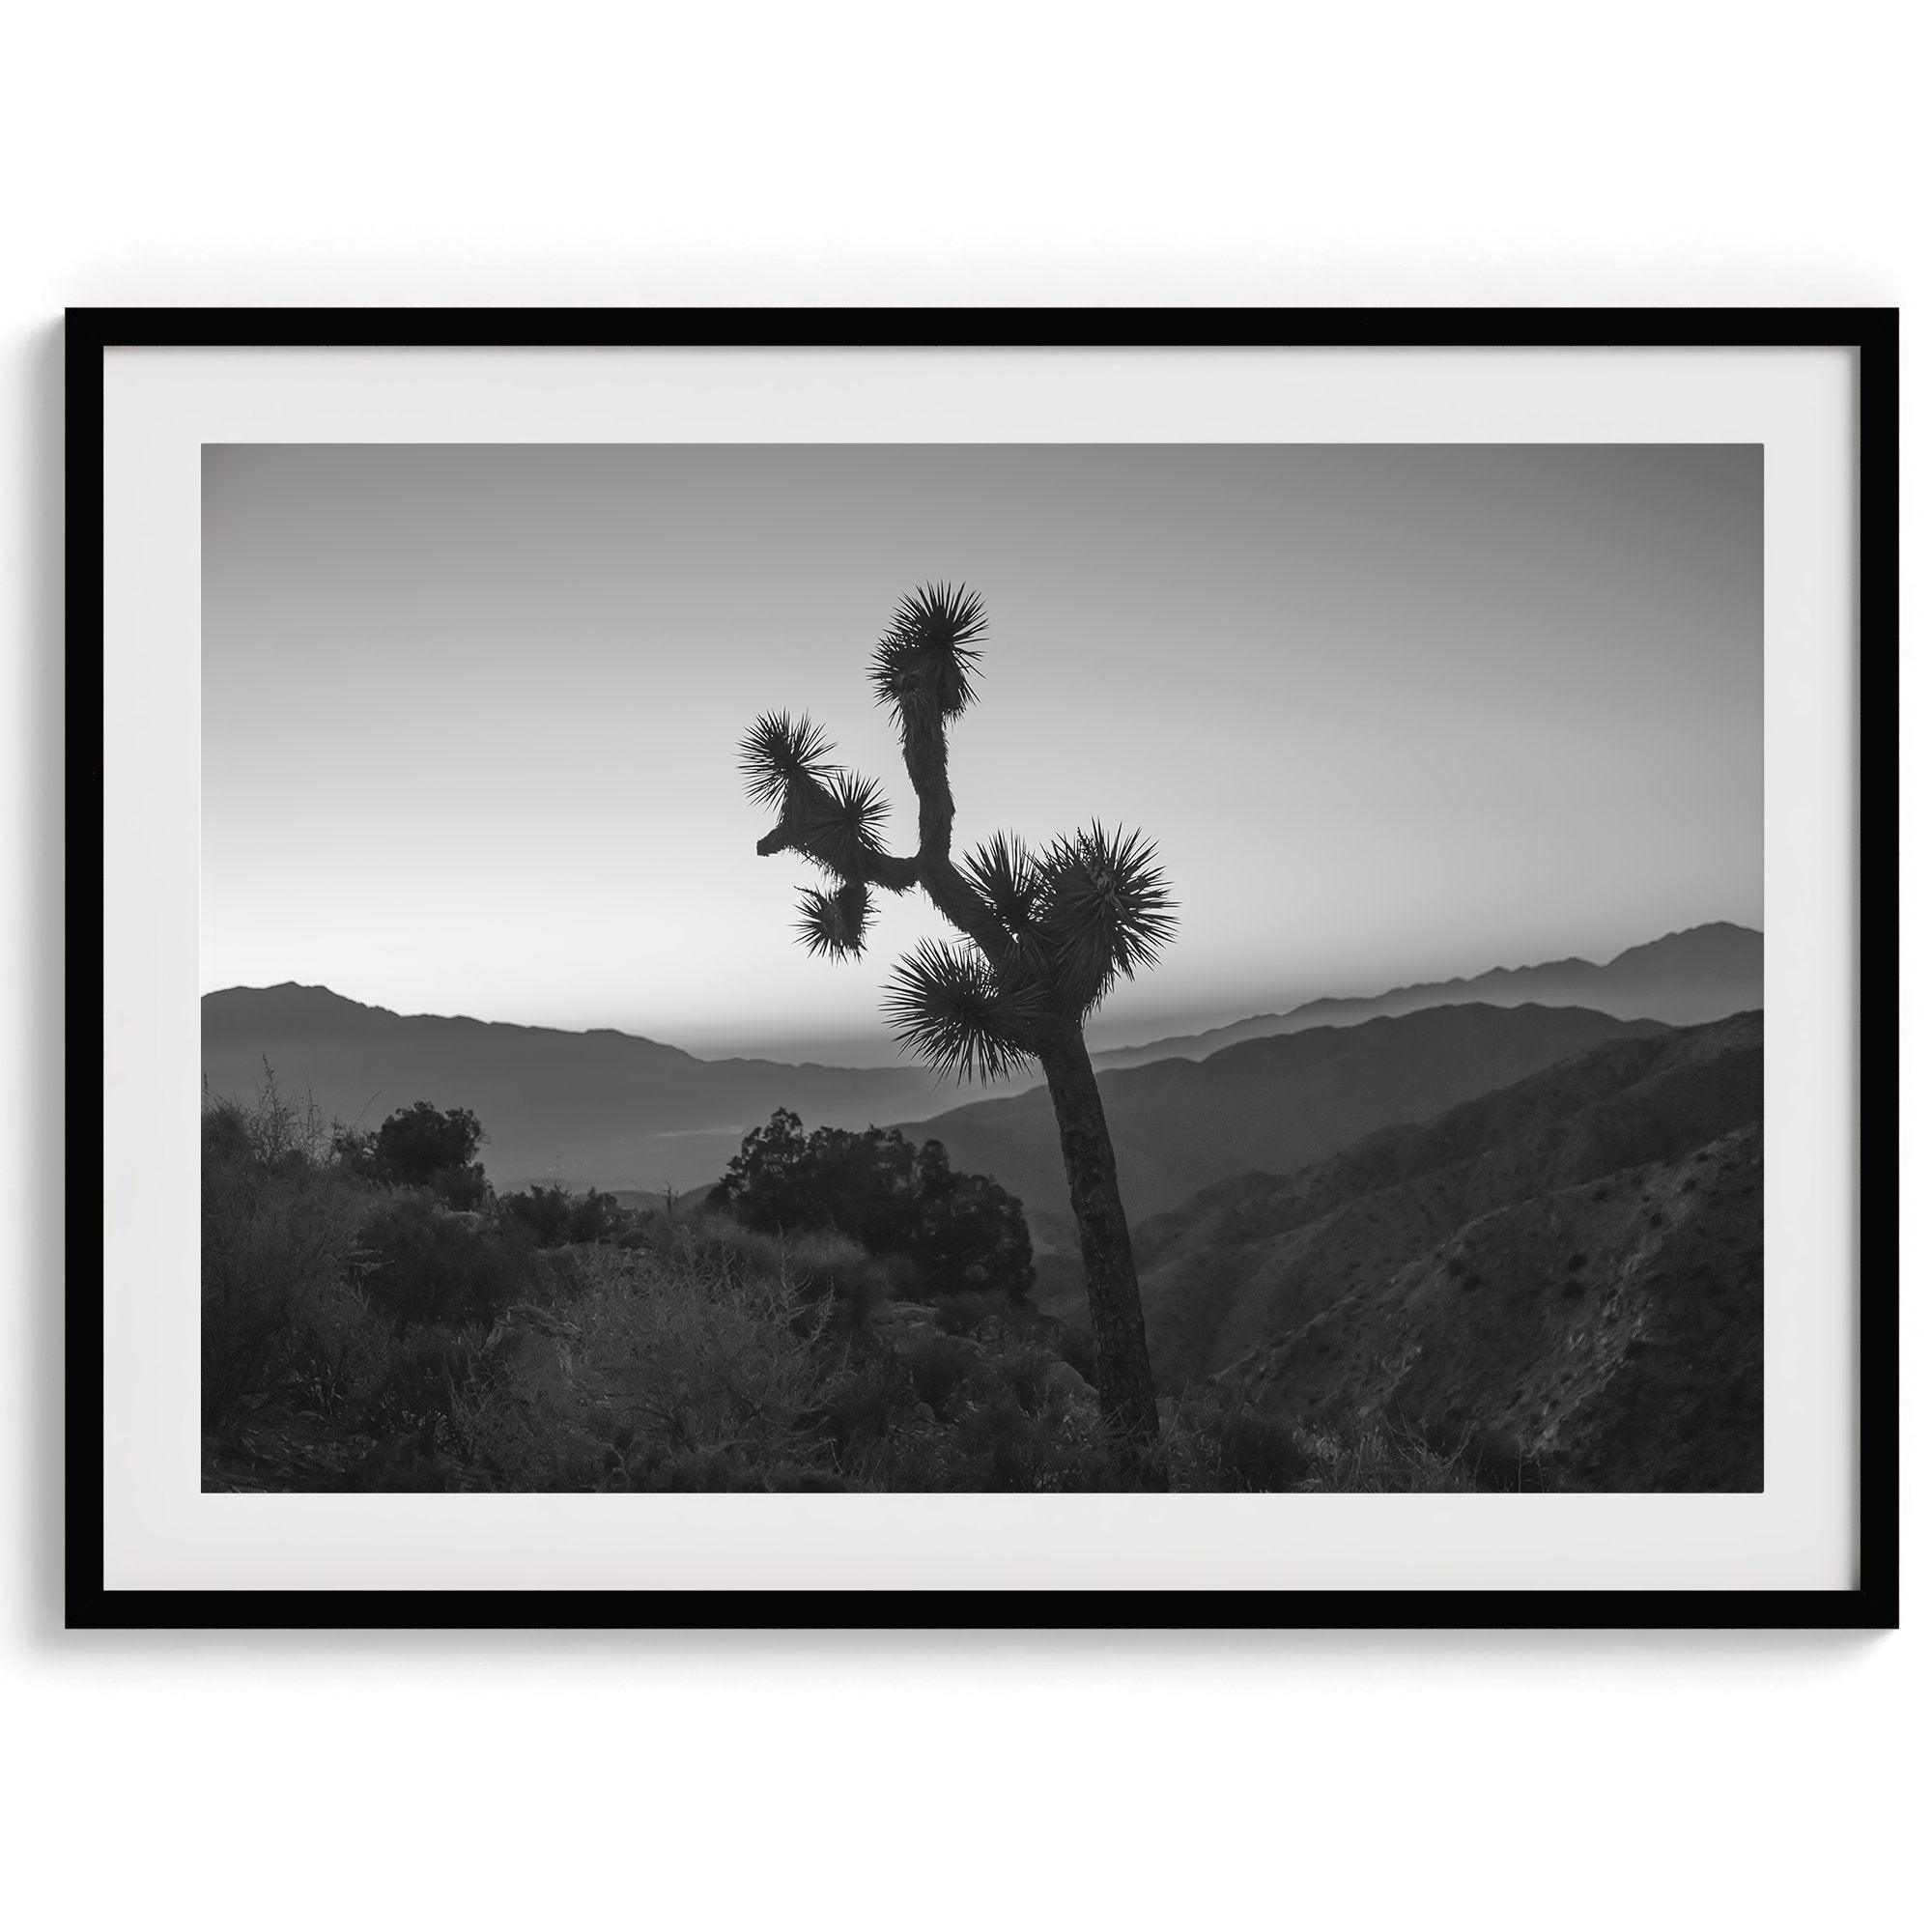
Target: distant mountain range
1276,1103
599,1108
1684,979
615,1110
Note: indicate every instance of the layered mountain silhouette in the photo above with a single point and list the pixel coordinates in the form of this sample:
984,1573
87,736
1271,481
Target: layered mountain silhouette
1685,979
1565,1274
600,1109
618,1111
1277,1103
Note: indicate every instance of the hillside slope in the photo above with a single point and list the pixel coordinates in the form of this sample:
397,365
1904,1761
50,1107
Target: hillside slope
1277,1103
1568,1270
1684,979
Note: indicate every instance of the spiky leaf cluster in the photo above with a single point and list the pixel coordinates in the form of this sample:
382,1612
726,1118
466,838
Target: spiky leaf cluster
839,819
950,1007
927,659
780,752
1007,877
832,924
1107,911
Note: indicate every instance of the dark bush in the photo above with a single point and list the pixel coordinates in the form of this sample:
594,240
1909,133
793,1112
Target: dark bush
1031,1374
278,1239
558,1218
938,1367
423,1376
1002,1448
1227,1443
963,1232
1487,1454
422,1147
423,1265
829,1267
869,1404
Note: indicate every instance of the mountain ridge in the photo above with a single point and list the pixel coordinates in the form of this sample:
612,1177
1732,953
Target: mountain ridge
600,1108
1275,1103
1698,973
335,1001
604,1107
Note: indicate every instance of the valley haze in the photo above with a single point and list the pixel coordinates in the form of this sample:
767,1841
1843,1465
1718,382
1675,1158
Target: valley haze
620,1111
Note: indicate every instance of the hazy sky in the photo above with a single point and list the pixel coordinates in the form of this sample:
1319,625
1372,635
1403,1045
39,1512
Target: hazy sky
470,713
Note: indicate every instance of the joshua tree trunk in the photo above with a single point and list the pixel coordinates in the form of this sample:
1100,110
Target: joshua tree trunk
1106,1255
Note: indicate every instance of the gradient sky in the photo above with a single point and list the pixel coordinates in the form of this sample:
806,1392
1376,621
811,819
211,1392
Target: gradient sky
470,713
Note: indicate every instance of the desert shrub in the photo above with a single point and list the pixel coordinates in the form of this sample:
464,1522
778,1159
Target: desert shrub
929,1410
421,1264
938,1367
596,1217
417,1379
1023,1420
545,1211
873,1401
826,1267
338,1355
1001,1447
658,1371
556,1217
969,1312
1218,1439
964,1231
816,1266
278,1241
421,1147
1033,1375
1376,1455
1487,1456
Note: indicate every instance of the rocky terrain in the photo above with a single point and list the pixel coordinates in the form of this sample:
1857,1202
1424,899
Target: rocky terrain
1566,1274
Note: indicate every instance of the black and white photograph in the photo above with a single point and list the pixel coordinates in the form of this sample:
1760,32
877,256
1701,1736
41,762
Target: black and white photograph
1004,926
982,968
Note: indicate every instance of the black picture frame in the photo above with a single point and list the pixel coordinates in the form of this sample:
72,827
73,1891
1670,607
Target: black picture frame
1873,333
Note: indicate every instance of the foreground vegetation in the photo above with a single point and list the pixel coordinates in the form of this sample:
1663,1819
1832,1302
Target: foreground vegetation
362,1332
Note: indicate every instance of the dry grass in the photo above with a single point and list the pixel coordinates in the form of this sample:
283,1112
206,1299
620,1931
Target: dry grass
278,1248
1377,1457
650,1371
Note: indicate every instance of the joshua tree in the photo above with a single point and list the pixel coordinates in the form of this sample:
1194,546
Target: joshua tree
1045,936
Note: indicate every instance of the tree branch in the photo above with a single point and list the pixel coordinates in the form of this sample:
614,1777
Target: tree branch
924,733
878,869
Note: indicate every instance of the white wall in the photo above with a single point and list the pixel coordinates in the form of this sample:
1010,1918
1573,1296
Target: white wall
1401,154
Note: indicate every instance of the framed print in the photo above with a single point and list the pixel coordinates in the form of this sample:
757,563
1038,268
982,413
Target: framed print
1011,967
